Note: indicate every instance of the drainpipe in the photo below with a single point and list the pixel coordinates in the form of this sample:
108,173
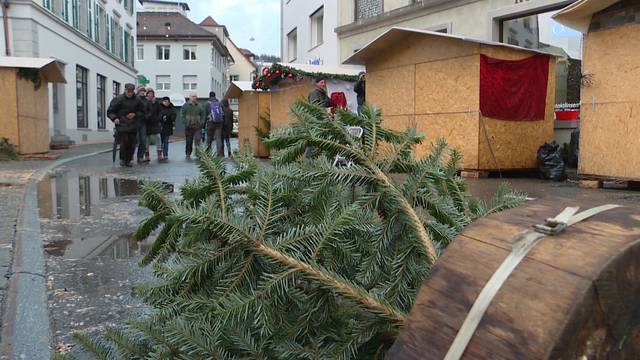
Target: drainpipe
5,21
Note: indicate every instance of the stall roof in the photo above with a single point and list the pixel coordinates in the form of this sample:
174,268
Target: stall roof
394,35
578,15
323,69
49,68
238,87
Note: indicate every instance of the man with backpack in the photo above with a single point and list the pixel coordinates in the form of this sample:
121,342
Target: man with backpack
215,123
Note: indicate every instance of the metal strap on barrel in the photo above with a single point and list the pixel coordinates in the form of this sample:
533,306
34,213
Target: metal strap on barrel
522,244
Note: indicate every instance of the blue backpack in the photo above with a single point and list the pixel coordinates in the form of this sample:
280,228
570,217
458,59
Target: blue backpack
217,115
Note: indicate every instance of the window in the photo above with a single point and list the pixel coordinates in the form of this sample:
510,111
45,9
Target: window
81,15
128,5
98,24
116,89
163,82
107,32
140,52
81,97
189,52
317,27
163,52
234,78
101,83
189,82
59,7
292,45
127,40
74,14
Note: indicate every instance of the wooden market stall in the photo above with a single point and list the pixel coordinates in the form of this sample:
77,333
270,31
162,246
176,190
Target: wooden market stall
574,295
285,89
253,108
25,101
434,81
610,105
271,95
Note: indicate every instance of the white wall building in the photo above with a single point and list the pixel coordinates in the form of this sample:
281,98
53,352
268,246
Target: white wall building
94,40
178,56
307,34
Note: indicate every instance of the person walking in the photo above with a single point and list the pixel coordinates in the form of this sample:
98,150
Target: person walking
360,89
167,122
215,122
142,128
126,111
153,124
227,127
193,116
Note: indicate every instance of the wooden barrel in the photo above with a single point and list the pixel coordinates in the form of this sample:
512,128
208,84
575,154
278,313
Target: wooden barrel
575,296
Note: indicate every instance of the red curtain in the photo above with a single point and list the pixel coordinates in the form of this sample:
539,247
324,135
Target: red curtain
514,90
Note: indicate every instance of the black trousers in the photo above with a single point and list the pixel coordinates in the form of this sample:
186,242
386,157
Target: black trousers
192,134
214,133
127,145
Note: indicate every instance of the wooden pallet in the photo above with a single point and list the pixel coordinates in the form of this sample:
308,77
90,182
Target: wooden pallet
591,182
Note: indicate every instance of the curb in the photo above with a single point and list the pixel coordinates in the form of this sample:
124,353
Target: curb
26,332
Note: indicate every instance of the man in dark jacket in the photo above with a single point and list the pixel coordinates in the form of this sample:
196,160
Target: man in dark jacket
319,95
360,89
126,111
167,121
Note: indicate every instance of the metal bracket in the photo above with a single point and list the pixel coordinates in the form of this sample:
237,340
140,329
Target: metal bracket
551,227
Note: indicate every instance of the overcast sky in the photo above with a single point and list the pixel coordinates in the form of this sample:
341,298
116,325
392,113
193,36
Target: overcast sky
245,19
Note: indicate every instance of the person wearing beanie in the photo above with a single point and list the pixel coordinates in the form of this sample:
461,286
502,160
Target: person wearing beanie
126,111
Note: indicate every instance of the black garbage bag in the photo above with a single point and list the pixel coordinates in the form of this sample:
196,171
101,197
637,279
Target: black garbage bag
550,162
574,149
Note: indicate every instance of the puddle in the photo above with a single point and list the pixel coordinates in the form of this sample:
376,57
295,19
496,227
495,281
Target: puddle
88,217
68,195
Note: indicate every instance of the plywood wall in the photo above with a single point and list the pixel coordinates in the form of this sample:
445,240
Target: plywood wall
252,105
610,140
392,90
612,60
448,86
33,116
515,144
416,49
283,98
459,130
610,114
9,106
435,84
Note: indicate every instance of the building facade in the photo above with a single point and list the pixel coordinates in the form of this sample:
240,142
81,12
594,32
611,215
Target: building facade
307,34
94,40
526,23
175,56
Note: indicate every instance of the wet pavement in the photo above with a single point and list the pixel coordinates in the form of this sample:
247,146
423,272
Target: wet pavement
88,211
87,222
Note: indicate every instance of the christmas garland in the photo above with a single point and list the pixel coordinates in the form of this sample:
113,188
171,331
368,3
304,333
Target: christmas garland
277,72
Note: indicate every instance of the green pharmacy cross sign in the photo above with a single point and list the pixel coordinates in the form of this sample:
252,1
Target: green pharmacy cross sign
142,80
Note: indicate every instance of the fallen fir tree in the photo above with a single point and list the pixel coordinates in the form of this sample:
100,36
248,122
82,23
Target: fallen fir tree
301,260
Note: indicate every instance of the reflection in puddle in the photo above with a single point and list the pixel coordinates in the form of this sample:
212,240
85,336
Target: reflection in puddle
88,217
69,195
